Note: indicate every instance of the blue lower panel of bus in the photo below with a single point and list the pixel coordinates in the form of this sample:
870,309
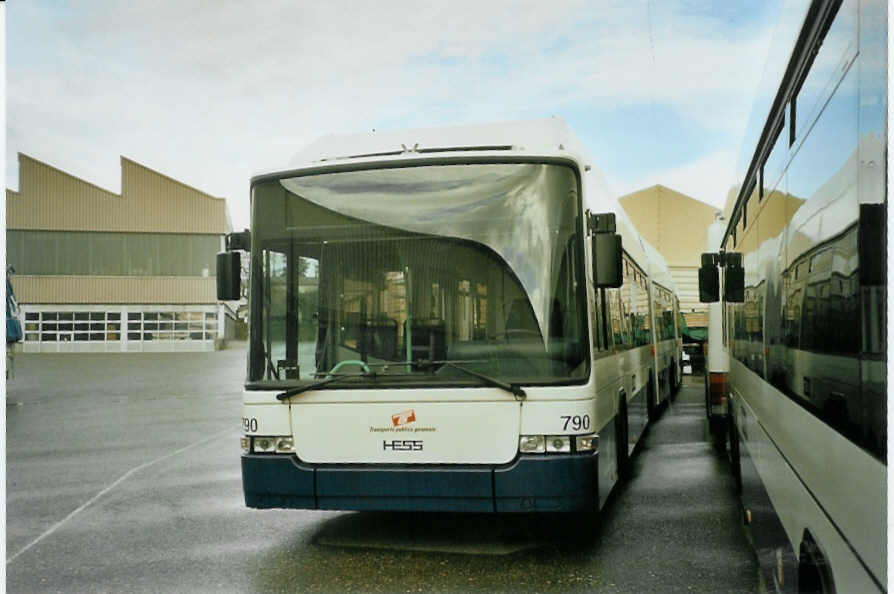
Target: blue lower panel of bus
420,489
530,483
547,483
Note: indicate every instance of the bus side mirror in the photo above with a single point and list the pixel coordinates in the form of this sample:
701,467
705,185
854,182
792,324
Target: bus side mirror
708,280
229,264
607,248
240,240
229,286
733,279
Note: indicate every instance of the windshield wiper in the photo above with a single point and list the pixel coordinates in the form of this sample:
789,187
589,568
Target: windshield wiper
513,389
295,391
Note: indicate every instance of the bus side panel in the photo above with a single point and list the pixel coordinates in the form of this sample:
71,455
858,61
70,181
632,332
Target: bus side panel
774,551
636,366
776,433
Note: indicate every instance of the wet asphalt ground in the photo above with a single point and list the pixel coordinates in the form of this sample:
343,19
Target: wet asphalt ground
123,476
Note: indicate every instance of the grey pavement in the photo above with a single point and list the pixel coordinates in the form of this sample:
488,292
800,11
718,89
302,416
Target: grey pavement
123,476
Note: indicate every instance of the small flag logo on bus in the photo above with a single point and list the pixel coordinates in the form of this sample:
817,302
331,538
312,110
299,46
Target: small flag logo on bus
408,416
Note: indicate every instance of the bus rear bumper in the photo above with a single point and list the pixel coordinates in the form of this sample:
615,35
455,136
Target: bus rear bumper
530,483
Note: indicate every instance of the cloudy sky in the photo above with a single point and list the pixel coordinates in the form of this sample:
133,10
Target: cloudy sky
211,92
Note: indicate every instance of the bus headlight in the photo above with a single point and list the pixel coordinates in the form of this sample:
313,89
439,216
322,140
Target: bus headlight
586,443
531,444
558,443
279,444
285,445
264,445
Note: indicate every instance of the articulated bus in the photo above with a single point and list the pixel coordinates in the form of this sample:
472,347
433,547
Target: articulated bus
452,319
807,344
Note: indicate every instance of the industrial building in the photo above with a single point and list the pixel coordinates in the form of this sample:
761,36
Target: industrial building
96,271
677,225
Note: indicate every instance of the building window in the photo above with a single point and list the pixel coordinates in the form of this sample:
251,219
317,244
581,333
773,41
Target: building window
111,254
67,326
173,326
99,326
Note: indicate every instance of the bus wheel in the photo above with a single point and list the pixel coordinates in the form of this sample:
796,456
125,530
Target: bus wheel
814,574
622,439
678,377
650,399
707,396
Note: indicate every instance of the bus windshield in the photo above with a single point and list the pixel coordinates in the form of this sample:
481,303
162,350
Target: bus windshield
384,274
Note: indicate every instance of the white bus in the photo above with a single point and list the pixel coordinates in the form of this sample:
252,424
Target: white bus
716,358
426,333
807,345
668,349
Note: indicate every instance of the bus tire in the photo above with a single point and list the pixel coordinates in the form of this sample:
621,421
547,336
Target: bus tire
707,397
650,399
622,439
675,380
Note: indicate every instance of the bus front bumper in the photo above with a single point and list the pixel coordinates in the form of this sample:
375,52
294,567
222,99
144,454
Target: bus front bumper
530,483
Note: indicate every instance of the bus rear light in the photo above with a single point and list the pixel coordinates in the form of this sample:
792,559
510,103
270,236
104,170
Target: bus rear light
719,387
586,443
531,444
558,443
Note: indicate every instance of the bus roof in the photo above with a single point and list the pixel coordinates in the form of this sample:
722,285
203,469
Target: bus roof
548,137
545,136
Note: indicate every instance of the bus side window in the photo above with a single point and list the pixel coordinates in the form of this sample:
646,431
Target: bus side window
617,317
275,274
598,322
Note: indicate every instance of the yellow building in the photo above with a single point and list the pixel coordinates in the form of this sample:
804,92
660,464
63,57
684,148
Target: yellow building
775,209
98,271
677,226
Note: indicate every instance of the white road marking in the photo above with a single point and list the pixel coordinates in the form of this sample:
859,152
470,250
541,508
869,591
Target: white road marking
120,479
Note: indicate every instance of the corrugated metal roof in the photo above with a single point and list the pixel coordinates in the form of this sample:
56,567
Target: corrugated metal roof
51,199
